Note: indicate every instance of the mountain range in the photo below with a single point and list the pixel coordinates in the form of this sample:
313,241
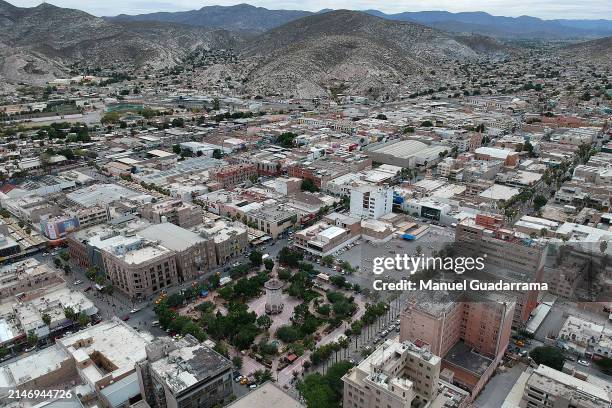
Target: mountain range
37,43
308,56
257,19
353,51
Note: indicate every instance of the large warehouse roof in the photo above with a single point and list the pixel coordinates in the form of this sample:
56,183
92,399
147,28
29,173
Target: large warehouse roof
402,149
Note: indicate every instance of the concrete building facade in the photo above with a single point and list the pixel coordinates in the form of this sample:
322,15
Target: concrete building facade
140,269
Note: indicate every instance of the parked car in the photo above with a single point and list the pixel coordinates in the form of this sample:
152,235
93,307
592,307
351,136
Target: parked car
135,310
78,282
584,363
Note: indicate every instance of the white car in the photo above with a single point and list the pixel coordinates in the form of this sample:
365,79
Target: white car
78,282
584,363
134,311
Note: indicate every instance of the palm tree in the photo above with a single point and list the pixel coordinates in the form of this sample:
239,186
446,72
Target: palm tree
344,343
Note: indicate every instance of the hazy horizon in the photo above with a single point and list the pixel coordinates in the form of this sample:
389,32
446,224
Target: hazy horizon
544,9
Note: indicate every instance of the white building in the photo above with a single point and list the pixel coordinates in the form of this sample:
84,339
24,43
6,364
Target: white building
547,387
399,375
368,201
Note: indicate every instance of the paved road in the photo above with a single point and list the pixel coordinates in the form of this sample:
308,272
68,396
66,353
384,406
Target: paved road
498,387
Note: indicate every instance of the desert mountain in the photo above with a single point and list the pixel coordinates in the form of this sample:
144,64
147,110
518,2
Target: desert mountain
241,17
249,18
36,42
348,50
599,51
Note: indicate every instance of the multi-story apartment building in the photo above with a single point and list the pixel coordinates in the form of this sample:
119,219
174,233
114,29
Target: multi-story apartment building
184,374
452,328
549,388
140,268
194,254
273,220
25,276
323,170
230,239
231,176
370,201
98,364
449,167
90,216
177,212
508,254
399,375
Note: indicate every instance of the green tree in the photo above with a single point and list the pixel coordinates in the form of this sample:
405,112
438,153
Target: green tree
549,356
539,201
217,154
338,281
46,319
261,376
327,260
244,339
308,185
289,257
286,139
269,264
32,338
264,321
83,319
325,391
287,334
70,314
325,310
255,257
65,256
237,362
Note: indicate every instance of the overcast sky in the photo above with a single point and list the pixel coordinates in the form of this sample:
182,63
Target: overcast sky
548,9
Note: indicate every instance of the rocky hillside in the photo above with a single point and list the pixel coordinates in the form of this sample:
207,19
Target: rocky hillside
36,42
592,51
350,51
241,17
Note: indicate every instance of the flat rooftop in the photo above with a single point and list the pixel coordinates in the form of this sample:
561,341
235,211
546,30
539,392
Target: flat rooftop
266,396
31,367
102,194
171,236
120,345
464,357
189,364
145,254
499,192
